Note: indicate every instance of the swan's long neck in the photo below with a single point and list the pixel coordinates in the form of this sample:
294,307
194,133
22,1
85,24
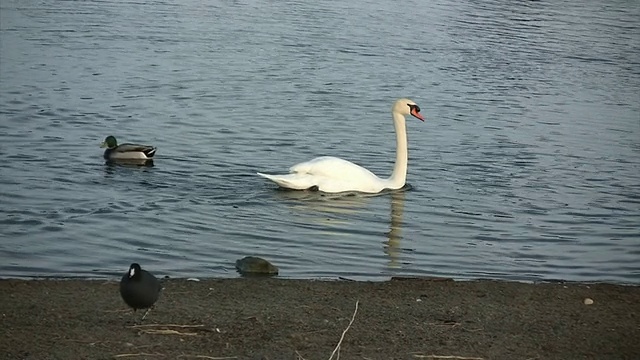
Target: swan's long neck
399,175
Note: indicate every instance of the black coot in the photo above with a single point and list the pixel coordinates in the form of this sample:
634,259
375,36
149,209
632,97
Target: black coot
139,288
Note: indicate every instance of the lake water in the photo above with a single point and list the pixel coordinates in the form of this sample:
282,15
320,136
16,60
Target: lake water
527,168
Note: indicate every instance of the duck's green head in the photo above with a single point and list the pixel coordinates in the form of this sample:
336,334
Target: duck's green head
110,142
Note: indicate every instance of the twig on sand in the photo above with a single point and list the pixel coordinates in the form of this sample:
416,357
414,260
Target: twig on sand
162,329
208,357
445,323
165,325
337,349
446,357
138,354
166,332
300,357
145,314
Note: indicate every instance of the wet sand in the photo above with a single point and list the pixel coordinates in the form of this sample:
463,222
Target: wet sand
262,318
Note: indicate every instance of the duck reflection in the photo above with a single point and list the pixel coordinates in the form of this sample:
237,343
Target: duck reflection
110,167
130,162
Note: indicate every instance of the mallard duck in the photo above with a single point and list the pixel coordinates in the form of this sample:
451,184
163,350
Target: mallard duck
126,151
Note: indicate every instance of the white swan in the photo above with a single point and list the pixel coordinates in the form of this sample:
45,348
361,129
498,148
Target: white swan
332,175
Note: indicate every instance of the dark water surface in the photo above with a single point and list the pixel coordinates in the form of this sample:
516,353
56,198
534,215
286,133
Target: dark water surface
527,168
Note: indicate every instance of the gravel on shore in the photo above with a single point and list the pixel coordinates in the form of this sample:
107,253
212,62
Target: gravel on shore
271,318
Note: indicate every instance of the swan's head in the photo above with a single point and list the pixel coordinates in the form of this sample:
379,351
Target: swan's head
407,107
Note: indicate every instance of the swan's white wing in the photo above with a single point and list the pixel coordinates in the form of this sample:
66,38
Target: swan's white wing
334,168
293,181
328,174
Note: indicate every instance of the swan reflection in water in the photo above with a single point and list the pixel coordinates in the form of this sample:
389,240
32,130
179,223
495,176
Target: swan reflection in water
392,245
344,207
319,202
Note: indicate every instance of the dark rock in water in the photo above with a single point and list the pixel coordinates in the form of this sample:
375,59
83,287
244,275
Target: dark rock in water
252,265
139,288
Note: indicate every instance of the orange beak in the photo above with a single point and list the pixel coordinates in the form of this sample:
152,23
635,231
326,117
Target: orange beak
416,114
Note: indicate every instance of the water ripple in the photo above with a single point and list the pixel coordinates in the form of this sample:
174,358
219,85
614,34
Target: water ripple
526,168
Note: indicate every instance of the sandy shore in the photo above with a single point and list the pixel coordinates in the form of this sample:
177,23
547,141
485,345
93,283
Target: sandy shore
296,319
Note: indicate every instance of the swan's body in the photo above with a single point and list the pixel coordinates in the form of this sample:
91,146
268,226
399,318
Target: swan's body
332,175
